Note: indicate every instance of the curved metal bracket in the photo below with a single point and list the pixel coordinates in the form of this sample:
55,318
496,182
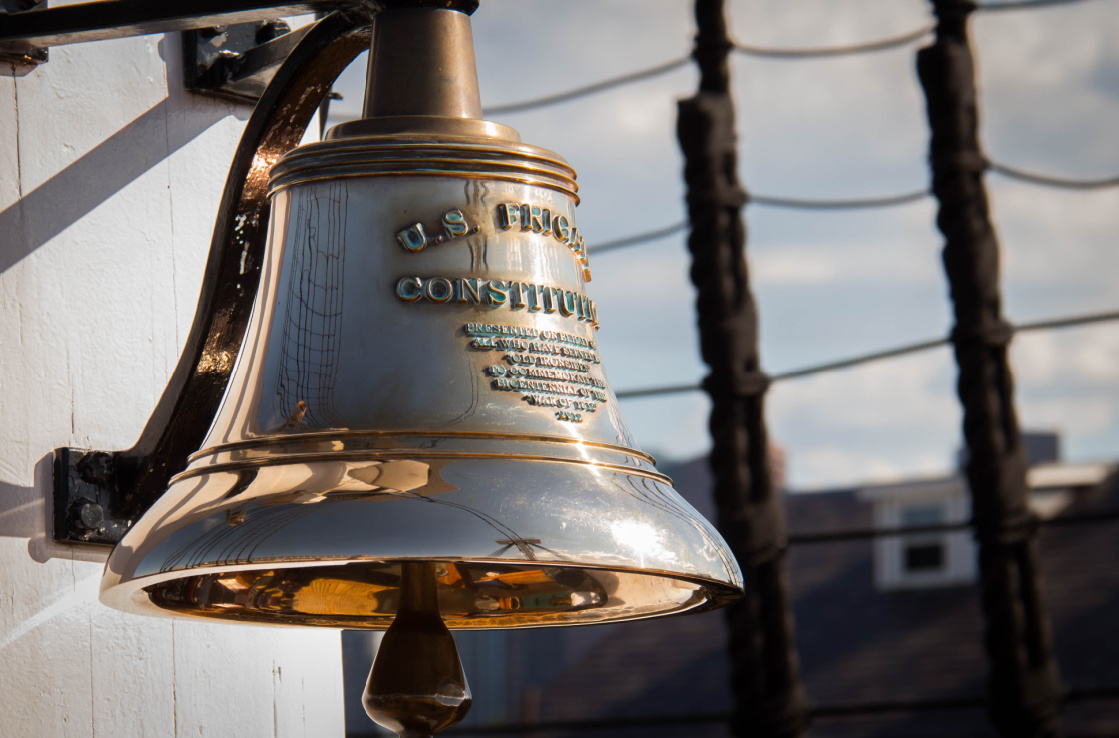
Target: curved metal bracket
97,494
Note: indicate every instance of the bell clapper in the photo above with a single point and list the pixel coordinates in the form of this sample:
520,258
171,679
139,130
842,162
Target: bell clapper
416,686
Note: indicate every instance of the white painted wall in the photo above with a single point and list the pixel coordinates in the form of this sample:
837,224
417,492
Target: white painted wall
110,177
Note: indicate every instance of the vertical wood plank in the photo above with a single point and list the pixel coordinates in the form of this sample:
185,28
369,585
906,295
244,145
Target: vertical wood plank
120,174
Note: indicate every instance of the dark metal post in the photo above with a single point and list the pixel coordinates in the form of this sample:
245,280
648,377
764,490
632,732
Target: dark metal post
1024,686
769,701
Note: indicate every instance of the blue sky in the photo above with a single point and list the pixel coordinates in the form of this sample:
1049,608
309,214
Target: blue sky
833,284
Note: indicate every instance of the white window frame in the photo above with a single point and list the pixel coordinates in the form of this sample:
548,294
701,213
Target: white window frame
959,548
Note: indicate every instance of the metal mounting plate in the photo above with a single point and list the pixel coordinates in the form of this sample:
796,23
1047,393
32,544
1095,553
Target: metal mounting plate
85,496
236,62
22,54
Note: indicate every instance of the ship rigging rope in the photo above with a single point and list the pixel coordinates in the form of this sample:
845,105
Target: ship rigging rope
911,348
872,202
884,44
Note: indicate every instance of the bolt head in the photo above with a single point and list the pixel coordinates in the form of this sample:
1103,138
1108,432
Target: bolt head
91,515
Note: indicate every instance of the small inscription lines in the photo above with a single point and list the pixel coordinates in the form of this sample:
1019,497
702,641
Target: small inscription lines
550,369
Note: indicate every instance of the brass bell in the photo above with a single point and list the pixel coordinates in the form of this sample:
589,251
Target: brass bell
420,384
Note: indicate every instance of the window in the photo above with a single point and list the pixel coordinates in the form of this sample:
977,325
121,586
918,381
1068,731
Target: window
924,558
924,553
916,515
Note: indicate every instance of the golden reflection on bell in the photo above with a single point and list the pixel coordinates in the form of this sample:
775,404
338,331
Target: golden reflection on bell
421,383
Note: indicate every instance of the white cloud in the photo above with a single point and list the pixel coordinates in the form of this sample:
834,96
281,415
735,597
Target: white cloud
1058,239
856,263
914,391
840,465
1070,416
890,419
1068,381
1085,357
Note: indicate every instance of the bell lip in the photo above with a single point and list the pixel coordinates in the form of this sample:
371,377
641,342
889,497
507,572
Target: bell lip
128,596
349,434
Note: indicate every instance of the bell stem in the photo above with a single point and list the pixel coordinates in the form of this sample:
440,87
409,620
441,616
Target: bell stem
421,62
417,589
